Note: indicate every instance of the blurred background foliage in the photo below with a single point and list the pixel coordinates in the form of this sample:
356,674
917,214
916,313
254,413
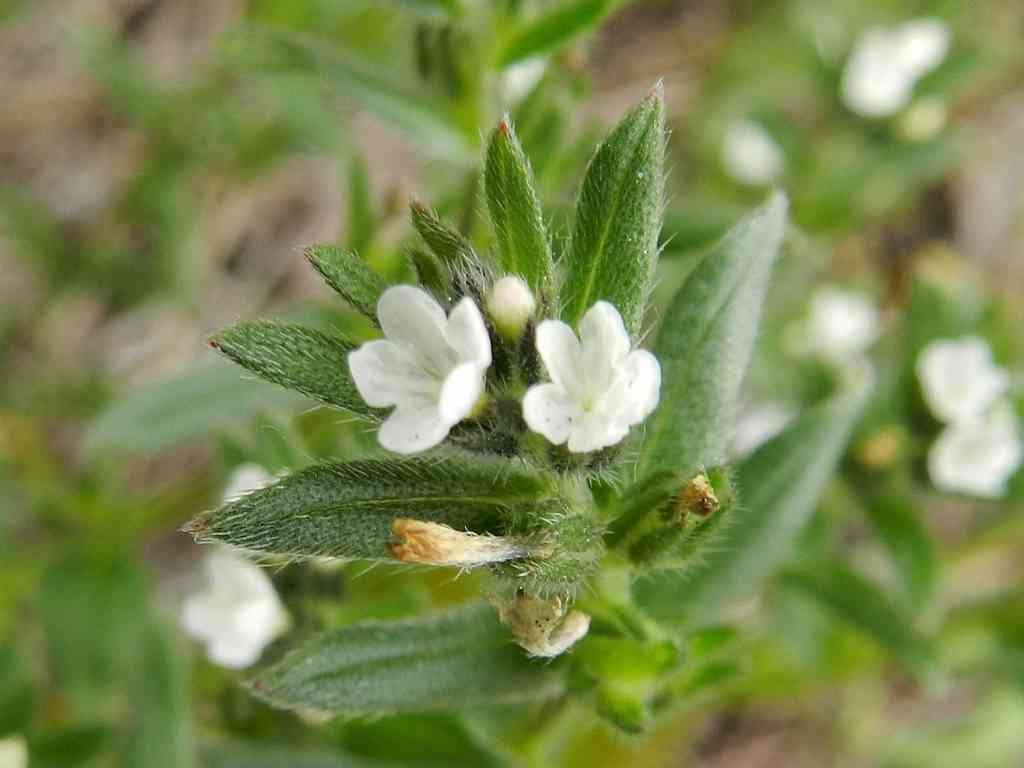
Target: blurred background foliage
162,164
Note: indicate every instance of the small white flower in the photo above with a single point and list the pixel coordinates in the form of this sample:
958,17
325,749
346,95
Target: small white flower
959,379
750,154
599,387
758,424
842,325
885,65
13,752
246,478
430,367
236,613
510,305
977,456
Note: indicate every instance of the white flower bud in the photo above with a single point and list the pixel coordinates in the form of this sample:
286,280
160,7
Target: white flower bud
978,456
13,752
750,154
510,306
436,544
543,628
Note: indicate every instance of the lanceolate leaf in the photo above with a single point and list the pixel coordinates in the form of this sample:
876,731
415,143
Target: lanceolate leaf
515,210
779,484
454,660
614,245
705,343
554,28
299,358
852,598
910,546
349,276
346,510
239,755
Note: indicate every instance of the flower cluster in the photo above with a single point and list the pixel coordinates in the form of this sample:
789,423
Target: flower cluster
980,446
432,368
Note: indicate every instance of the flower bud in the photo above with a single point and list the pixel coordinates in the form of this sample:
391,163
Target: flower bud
436,544
543,627
510,305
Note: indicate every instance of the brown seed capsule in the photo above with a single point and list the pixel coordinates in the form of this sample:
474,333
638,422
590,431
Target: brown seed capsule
698,497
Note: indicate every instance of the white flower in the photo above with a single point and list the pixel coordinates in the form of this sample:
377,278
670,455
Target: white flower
599,388
758,424
13,752
959,379
979,455
510,305
880,74
842,325
430,367
750,155
236,613
246,478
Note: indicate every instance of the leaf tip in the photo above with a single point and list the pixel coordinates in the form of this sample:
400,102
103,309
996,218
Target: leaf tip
196,526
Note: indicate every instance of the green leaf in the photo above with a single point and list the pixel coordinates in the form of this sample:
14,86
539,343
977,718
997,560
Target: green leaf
515,209
554,28
349,276
910,546
346,510
160,736
299,358
361,222
470,273
614,246
434,129
705,343
452,660
853,598
193,405
780,484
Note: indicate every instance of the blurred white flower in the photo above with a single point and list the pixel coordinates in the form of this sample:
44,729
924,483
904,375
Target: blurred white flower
758,424
13,752
510,305
959,379
236,613
246,478
430,367
599,387
979,455
750,154
842,325
886,63
519,79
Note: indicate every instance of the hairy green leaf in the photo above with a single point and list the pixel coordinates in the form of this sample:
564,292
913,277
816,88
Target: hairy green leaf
346,510
470,273
614,246
780,484
193,405
249,755
299,358
515,209
454,660
349,276
554,28
856,600
705,344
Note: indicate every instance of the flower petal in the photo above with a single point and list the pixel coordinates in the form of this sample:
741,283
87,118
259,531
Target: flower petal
412,319
413,428
550,411
460,392
467,335
642,385
386,374
959,379
594,431
604,344
560,350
